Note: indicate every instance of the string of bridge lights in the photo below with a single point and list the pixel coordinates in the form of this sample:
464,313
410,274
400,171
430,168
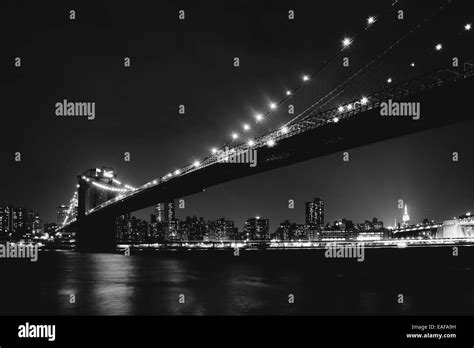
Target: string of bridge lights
346,42
259,117
272,106
389,80
125,188
128,187
109,188
349,107
74,200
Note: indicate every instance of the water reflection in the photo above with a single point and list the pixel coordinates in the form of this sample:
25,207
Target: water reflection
217,283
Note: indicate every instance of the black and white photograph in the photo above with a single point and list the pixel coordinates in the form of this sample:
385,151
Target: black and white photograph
235,172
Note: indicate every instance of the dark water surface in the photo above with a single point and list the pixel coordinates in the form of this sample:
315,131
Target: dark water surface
431,280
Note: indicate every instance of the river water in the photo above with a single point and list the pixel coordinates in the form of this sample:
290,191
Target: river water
277,282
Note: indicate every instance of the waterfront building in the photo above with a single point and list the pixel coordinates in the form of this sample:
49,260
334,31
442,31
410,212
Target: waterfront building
220,230
122,228
256,229
315,212
463,227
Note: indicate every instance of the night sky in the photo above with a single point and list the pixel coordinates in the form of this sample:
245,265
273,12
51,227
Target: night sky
190,62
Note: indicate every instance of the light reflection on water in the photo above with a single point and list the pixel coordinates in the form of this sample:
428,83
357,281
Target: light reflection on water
218,283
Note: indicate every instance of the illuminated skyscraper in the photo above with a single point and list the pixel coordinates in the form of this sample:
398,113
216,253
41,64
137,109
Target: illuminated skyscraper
20,219
6,222
406,217
165,212
61,213
36,224
315,212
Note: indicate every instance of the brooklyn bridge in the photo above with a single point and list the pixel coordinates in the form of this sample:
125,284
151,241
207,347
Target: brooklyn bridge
332,122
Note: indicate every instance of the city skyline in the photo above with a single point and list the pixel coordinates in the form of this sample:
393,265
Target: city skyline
15,219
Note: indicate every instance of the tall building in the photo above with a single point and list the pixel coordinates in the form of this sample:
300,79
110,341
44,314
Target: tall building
256,229
3,229
142,231
195,229
30,221
37,224
137,230
61,213
220,230
406,217
377,224
129,229
315,212
20,221
122,228
173,231
165,212
5,221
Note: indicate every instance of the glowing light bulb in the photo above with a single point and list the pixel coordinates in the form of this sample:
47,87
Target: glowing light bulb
305,77
439,47
246,127
468,26
271,143
340,108
273,106
235,136
389,80
250,143
284,130
346,42
288,92
371,20
213,150
196,164
364,101
335,119
259,117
